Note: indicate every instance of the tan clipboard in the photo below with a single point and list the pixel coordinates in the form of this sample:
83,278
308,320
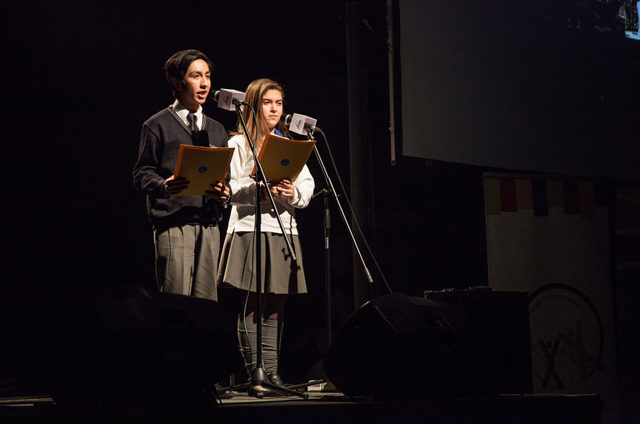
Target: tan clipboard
283,158
202,166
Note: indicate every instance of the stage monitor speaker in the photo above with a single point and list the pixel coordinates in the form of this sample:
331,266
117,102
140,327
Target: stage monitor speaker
125,345
501,318
397,347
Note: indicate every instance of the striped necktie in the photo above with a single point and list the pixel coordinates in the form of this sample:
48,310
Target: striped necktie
192,121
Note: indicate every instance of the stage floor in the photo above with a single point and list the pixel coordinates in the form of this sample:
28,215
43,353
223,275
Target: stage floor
324,407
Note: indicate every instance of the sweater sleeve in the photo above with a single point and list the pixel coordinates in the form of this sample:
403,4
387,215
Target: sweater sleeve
145,175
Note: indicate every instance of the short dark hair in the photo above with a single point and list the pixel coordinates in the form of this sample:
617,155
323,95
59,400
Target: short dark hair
178,64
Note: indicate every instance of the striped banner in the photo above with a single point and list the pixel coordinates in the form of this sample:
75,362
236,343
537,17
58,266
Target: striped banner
550,237
540,196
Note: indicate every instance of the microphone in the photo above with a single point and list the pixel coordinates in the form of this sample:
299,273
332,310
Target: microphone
300,123
201,138
228,99
286,119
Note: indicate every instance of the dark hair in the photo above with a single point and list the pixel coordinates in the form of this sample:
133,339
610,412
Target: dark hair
254,94
178,64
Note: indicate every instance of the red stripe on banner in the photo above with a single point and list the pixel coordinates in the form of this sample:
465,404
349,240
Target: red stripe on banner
571,190
524,195
508,198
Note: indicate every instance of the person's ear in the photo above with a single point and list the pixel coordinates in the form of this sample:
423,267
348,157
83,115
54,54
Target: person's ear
176,84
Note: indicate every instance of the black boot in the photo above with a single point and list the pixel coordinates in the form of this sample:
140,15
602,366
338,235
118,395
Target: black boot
275,379
223,392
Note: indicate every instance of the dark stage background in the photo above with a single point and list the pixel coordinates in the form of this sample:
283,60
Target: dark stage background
80,78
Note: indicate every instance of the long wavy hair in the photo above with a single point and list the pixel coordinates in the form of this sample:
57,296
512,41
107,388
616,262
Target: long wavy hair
258,129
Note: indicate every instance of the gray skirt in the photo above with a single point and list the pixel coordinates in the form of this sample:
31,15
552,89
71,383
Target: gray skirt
280,274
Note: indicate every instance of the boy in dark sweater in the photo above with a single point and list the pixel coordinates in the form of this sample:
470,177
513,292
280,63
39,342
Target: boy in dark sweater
186,235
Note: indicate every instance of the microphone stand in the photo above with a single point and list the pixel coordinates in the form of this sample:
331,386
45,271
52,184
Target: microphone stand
259,376
331,192
327,258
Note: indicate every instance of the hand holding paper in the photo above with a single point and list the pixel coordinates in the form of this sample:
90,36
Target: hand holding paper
174,186
282,188
219,191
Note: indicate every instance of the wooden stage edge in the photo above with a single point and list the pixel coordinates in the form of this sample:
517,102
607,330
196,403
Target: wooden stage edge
324,407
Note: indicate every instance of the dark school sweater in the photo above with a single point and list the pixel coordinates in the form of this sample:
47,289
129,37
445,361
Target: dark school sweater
161,137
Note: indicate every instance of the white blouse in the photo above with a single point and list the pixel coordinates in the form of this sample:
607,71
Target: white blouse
244,195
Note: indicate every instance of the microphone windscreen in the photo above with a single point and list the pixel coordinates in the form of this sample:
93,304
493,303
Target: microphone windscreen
201,138
286,119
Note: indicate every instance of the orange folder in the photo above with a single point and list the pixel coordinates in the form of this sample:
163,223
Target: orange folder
283,158
202,166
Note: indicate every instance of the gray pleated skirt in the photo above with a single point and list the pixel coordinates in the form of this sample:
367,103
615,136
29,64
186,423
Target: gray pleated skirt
280,274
